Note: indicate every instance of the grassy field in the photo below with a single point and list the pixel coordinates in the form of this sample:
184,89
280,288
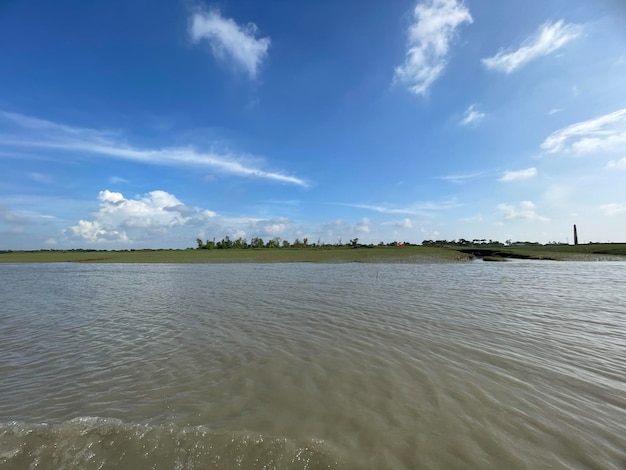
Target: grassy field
386,254
406,254
590,252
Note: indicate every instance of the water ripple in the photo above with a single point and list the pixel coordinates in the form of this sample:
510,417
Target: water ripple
473,365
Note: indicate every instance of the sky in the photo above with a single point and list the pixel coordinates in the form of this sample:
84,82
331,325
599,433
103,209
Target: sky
129,125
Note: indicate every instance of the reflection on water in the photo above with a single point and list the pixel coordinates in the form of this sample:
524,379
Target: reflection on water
477,365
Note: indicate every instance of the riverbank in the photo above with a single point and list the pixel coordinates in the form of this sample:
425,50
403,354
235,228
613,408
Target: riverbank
363,254
587,252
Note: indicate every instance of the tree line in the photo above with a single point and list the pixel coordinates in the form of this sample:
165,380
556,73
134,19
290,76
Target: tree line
227,243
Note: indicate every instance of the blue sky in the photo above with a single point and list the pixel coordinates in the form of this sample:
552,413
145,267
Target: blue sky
150,124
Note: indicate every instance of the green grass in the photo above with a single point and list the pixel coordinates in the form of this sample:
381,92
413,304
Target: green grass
406,254
591,252
386,254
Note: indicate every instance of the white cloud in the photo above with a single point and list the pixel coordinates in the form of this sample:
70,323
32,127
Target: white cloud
382,209
404,223
474,218
525,210
554,111
472,116
228,39
22,218
415,209
117,180
605,133
429,38
617,164
519,174
48,135
119,219
363,225
461,178
272,227
40,177
94,232
548,38
613,209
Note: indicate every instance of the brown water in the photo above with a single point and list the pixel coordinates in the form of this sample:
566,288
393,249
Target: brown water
518,365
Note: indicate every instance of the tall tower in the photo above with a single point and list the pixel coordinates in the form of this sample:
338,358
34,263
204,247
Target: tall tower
575,235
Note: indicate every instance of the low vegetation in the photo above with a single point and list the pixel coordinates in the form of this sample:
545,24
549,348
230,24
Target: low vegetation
283,251
343,254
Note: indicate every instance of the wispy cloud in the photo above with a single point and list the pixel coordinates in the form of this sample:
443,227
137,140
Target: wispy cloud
472,116
617,164
384,209
413,209
229,40
613,209
548,38
48,135
524,210
40,177
519,174
14,221
605,133
404,223
117,180
463,178
429,37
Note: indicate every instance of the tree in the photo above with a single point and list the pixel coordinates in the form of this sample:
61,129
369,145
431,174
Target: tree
224,243
200,245
273,243
354,242
286,244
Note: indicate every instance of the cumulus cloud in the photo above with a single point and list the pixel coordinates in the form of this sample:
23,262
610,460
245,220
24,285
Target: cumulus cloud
119,219
519,174
605,133
93,231
269,227
547,39
472,116
429,37
524,210
229,40
47,135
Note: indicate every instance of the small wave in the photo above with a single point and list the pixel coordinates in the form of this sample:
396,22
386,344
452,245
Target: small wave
98,443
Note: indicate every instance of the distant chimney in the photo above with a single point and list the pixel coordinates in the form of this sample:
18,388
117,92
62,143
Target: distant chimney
575,235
